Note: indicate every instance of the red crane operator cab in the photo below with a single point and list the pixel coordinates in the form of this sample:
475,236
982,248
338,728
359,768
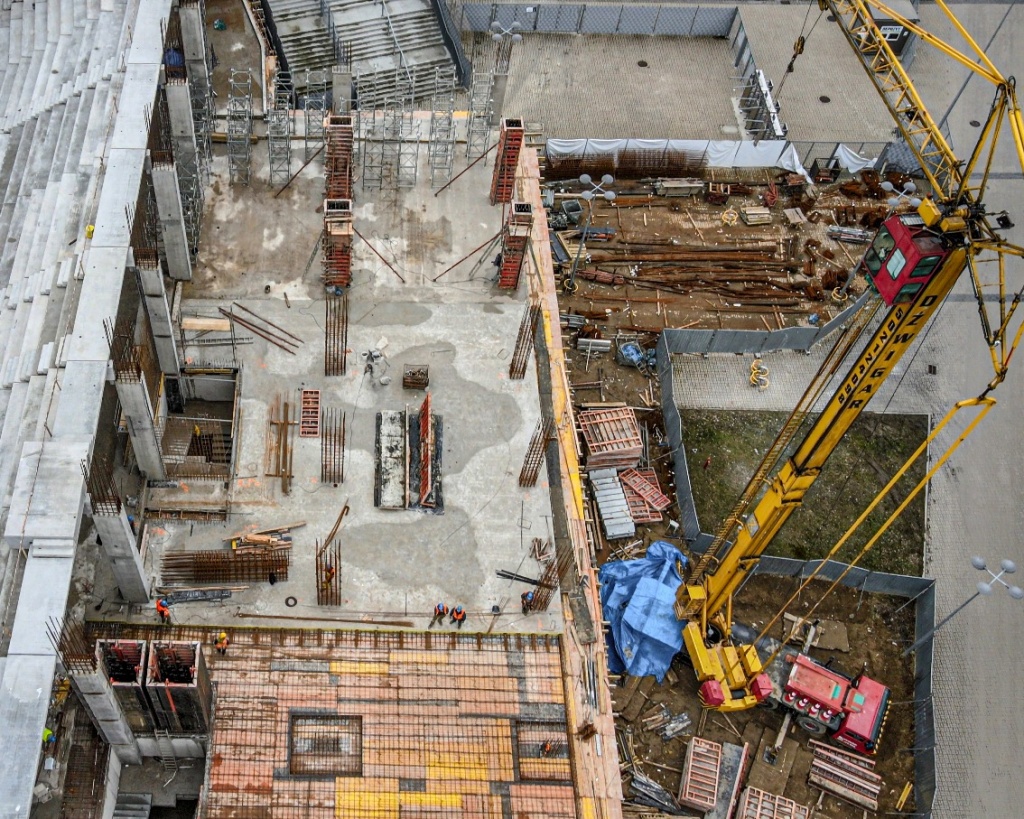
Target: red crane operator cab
903,257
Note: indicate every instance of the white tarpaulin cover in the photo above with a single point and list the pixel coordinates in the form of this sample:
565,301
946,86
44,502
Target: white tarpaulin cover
718,153
853,162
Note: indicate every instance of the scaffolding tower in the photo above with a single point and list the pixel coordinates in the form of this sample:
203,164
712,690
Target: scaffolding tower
478,134
279,129
408,145
239,126
316,109
441,147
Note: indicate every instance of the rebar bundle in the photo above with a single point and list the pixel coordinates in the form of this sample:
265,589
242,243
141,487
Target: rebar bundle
535,452
524,342
336,336
332,446
328,573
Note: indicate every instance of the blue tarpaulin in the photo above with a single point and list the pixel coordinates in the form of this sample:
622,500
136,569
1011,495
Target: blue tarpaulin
638,598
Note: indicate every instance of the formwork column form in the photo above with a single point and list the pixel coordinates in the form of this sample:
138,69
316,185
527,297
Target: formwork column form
478,132
315,109
279,129
514,237
192,18
341,89
151,285
96,694
337,242
510,143
239,125
441,145
178,94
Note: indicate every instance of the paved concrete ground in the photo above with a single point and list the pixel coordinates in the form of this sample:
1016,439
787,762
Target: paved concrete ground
399,562
973,505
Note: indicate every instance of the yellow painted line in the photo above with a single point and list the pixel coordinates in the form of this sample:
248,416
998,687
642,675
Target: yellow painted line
358,667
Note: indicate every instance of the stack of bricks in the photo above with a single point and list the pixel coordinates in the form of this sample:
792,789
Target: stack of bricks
514,236
510,143
338,227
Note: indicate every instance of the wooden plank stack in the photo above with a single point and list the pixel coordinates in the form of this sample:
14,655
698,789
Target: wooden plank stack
758,804
265,540
612,438
845,775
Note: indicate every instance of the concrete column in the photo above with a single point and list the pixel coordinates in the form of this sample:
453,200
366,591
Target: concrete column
341,90
172,221
193,41
95,693
151,282
118,540
179,110
498,98
135,404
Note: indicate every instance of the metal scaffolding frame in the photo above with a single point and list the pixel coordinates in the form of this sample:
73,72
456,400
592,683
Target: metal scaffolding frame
316,109
408,145
371,130
279,128
478,134
441,147
193,198
239,126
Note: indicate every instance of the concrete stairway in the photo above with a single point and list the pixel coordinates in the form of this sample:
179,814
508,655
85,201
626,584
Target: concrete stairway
133,806
58,82
304,36
388,44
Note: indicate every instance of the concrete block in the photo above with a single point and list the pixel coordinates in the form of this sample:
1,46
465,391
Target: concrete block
64,272
28,292
10,373
46,547
46,358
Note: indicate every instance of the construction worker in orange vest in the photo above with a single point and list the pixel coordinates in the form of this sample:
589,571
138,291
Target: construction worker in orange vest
163,609
329,574
459,616
440,612
222,643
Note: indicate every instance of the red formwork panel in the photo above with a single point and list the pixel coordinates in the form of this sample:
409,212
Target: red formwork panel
514,237
337,242
510,143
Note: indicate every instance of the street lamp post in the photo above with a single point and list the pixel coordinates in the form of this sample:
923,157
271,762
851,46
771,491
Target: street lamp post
569,283
984,589
504,37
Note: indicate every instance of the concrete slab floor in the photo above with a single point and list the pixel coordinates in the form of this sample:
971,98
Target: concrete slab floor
395,562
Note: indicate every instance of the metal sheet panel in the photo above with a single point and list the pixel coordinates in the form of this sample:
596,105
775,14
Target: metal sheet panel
638,19
600,19
713,21
564,19
675,21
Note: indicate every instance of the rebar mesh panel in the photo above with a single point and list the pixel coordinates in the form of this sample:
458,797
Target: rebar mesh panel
450,725
325,746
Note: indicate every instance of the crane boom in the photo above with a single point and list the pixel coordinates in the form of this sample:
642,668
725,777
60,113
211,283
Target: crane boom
913,263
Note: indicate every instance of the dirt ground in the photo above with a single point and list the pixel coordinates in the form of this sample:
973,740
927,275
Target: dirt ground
877,633
872,451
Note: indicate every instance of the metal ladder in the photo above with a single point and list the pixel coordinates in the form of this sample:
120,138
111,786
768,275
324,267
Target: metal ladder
166,749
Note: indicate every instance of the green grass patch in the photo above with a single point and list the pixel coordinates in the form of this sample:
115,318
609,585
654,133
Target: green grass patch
875,447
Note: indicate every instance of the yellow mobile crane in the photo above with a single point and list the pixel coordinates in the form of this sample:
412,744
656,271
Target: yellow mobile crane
912,264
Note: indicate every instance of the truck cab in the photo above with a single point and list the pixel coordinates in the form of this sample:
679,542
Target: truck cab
851,711
902,258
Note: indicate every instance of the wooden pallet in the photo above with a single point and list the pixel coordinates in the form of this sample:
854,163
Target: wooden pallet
698,787
650,492
309,420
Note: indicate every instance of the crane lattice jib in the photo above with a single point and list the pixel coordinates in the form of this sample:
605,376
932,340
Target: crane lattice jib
921,133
